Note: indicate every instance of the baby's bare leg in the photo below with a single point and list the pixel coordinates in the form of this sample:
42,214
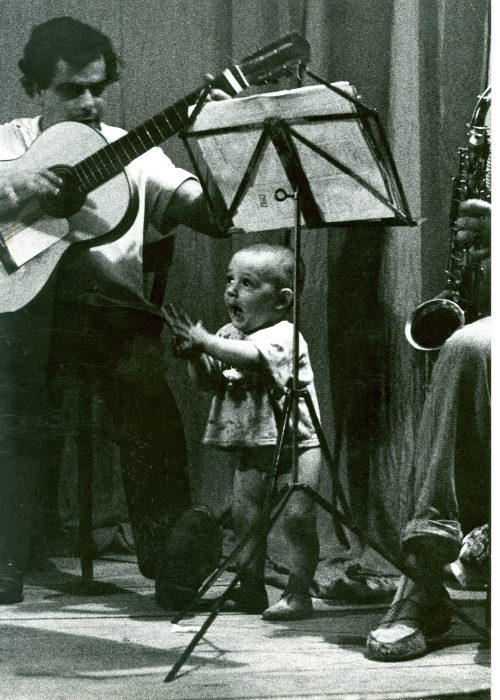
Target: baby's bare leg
299,524
250,489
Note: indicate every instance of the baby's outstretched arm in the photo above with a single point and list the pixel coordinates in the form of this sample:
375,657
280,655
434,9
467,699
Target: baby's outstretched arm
192,340
185,342
184,345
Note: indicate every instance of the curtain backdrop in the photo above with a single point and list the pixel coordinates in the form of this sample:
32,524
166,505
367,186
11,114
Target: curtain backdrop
421,64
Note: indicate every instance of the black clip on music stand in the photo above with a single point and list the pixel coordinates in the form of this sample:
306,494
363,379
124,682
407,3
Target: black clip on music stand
281,134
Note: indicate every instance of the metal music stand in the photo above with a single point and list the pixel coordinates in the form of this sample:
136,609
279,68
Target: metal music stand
282,135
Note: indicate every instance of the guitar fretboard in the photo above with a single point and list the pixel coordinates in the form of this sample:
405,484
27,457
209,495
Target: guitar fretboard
110,160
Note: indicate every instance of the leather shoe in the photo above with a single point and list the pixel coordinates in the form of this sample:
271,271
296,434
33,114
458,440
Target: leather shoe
11,583
150,536
409,623
192,552
250,596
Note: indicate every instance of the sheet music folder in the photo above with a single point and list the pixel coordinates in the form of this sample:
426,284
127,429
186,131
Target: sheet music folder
340,144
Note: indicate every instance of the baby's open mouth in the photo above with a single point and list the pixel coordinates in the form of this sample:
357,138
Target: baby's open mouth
235,310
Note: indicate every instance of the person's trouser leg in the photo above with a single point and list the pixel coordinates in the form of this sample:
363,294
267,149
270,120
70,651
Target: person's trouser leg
124,356
24,419
153,450
449,490
450,479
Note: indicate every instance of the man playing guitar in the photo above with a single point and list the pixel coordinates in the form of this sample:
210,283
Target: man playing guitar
94,309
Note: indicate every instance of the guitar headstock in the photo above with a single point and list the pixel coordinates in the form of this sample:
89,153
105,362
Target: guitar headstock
275,60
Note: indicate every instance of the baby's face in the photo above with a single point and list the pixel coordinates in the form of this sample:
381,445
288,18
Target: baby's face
252,295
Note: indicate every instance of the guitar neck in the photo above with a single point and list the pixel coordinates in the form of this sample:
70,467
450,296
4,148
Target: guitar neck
110,160
257,69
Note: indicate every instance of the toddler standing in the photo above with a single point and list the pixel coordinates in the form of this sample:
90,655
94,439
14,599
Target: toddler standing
245,364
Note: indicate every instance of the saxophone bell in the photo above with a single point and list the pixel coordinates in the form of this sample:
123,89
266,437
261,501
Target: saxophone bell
433,322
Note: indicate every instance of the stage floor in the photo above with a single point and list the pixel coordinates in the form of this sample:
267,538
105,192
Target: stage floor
120,644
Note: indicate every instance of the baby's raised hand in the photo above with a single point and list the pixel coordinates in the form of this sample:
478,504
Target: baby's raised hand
187,339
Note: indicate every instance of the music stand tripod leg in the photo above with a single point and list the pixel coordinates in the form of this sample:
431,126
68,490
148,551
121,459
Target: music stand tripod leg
282,420
220,569
268,519
222,599
334,474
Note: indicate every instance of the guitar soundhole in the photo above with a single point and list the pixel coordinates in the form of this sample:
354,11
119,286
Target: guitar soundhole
70,198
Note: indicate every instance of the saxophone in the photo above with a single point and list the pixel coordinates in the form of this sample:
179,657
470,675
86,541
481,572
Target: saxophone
433,322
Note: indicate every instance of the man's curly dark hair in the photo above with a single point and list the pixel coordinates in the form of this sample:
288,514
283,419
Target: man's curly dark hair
75,42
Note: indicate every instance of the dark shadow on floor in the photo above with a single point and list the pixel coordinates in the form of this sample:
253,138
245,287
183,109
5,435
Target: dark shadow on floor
62,655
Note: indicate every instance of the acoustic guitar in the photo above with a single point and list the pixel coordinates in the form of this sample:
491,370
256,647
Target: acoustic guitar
97,202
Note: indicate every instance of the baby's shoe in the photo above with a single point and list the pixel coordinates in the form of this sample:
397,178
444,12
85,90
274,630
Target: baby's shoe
249,596
291,606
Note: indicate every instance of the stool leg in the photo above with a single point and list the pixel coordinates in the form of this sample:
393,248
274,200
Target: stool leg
85,454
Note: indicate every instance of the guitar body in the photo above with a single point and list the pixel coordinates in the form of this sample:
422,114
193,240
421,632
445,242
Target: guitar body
36,240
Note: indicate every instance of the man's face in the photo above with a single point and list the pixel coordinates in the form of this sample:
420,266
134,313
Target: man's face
75,94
